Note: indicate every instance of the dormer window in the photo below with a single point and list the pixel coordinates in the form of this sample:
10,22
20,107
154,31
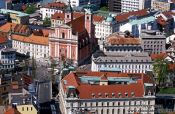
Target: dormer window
132,94
126,94
149,93
119,94
113,94
99,94
106,94
93,95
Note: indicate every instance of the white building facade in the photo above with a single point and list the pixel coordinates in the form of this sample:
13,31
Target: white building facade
134,5
33,49
48,12
106,27
100,96
122,62
75,3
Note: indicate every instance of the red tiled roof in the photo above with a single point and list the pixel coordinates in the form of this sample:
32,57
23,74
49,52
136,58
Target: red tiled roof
61,16
33,39
124,16
78,24
12,111
3,40
97,18
56,5
158,56
115,39
85,91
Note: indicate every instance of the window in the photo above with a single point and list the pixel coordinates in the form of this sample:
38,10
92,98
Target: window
67,16
63,35
22,108
31,108
27,108
87,17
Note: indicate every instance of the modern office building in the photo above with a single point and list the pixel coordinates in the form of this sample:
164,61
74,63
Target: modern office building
107,93
153,41
128,5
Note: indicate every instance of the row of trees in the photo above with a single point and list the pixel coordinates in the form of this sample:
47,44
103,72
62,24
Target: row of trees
161,71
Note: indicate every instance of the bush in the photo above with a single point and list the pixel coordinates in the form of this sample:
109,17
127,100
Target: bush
30,9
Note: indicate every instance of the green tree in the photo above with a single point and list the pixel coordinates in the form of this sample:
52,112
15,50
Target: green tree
47,22
104,8
160,69
30,9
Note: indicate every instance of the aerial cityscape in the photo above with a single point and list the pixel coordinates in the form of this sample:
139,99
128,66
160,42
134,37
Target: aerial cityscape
87,56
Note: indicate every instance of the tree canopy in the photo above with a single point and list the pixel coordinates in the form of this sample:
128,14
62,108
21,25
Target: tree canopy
30,9
47,22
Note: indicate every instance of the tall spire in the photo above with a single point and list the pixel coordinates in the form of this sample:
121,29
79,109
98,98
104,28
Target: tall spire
89,8
69,8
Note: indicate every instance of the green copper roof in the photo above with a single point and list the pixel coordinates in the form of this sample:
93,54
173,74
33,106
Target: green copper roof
19,14
110,18
142,21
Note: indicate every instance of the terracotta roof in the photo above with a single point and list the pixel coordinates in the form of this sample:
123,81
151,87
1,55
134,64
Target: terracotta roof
78,24
12,111
61,16
116,39
56,5
40,40
124,16
17,28
6,27
3,40
158,56
97,18
58,15
85,90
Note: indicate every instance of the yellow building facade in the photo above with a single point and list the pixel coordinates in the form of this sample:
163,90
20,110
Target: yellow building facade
27,109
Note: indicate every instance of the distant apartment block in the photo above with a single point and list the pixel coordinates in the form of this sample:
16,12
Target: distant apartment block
162,5
16,16
75,3
153,41
51,8
34,43
106,27
107,93
121,54
114,5
8,57
128,5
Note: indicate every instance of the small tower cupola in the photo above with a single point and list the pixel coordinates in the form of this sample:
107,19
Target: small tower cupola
89,20
68,13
